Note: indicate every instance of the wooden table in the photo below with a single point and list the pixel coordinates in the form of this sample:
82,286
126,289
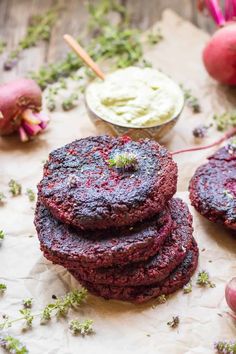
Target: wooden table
15,15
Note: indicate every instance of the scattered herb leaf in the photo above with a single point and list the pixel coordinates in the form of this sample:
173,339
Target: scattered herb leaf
187,288
203,280
191,100
3,288
155,37
2,46
2,197
13,345
224,347
225,120
174,323
14,187
232,145
27,303
31,195
70,102
28,317
2,234
83,328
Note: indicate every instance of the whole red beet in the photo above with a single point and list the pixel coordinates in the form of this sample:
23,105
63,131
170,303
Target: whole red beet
20,105
219,55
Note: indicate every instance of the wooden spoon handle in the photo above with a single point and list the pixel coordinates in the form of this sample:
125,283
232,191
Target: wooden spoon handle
83,55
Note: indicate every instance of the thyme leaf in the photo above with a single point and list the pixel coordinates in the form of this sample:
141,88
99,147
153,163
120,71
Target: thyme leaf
2,197
174,323
14,188
225,347
126,161
31,195
13,345
187,288
225,120
204,280
2,46
83,328
191,100
3,288
2,234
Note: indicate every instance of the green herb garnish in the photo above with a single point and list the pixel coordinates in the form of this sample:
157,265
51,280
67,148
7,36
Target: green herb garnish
191,100
225,120
13,345
224,347
27,303
2,234
31,195
83,328
187,288
203,280
3,288
155,37
58,308
174,323
126,161
14,187
70,102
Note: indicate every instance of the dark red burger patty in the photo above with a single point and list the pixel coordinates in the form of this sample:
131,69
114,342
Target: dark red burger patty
157,267
213,188
72,247
81,189
138,294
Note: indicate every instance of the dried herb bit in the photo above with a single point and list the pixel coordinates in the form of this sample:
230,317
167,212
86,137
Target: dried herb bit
2,197
224,347
203,280
126,161
3,288
2,46
70,102
201,131
2,234
227,194
174,323
187,288
155,37
13,345
191,100
62,305
83,328
14,188
27,303
225,120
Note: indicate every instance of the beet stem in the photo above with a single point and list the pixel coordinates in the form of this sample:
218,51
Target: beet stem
226,136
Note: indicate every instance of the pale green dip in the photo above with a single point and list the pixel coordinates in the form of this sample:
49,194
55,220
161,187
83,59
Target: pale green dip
135,97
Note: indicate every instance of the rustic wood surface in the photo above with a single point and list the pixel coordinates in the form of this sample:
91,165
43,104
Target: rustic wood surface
15,16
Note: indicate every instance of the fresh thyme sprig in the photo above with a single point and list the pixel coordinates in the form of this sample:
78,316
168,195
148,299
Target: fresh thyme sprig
31,195
3,288
191,100
204,280
126,161
27,303
2,234
225,120
83,328
39,29
58,308
224,347
12,345
174,323
14,188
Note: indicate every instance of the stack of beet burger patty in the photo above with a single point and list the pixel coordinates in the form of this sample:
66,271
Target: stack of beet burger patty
105,212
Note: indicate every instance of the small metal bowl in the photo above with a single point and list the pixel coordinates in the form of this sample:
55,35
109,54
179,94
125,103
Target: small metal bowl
156,132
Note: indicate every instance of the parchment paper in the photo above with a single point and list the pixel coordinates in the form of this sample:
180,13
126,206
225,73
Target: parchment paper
121,327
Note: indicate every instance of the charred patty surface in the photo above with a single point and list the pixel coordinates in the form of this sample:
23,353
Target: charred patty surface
138,294
157,267
80,187
72,247
213,188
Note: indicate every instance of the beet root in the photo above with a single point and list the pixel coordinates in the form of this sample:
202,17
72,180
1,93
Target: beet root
20,106
219,55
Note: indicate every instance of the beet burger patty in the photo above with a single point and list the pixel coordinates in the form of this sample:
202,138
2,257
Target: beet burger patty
101,182
155,268
138,294
70,247
213,187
